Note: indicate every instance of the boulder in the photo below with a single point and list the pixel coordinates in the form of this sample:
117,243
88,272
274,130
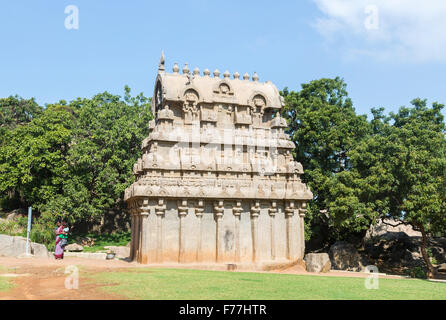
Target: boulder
13,215
386,231
344,256
119,251
13,246
74,247
39,250
317,262
441,268
85,241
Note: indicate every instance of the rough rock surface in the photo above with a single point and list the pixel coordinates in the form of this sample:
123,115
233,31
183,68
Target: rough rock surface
12,246
74,247
317,262
120,251
401,254
344,256
383,230
442,268
85,241
13,215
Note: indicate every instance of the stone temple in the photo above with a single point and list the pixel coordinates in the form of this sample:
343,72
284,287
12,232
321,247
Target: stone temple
217,182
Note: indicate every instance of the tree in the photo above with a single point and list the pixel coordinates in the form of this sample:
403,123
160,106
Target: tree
74,160
32,158
399,171
324,126
15,111
106,143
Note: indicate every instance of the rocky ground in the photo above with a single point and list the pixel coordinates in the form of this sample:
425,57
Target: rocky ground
394,250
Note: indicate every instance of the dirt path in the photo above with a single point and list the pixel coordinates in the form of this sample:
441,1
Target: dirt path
43,279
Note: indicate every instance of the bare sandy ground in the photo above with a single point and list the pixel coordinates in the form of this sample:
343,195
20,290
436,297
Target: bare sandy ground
45,279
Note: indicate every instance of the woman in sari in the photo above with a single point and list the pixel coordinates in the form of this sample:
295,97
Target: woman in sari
58,252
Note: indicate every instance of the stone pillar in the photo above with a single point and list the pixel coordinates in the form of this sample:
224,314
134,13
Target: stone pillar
140,235
272,214
218,215
302,211
182,213
132,230
237,211
199,209
160,211
145,211
289,213
255,211
136,236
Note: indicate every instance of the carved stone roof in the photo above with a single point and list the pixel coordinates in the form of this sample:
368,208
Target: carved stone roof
217,90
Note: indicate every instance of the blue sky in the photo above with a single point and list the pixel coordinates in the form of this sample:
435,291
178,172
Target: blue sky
388,53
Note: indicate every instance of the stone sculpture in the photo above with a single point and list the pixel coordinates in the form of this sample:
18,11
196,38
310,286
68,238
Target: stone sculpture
216,182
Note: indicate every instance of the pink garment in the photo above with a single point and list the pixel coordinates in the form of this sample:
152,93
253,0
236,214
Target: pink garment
58,252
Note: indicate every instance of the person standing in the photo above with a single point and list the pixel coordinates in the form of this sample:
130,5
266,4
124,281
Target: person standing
58,252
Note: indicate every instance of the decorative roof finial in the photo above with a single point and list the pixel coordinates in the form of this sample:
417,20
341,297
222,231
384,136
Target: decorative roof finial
206,72
255,77
185,69
196,71
246,76
216,73
175,68
161,65
236,75
226,74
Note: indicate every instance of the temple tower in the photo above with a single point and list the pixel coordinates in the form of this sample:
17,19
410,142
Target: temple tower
216,182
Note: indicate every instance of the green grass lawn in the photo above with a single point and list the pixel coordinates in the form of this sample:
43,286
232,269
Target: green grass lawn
160,284
5,284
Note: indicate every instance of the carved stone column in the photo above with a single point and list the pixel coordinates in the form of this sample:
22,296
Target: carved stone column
272,213
160,211
237,211
302,211
133,231
136,236
289,213
145,211
255,212
140,232
199,214
182,213
218,215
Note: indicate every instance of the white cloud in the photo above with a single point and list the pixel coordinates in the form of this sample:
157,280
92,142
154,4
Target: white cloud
410,30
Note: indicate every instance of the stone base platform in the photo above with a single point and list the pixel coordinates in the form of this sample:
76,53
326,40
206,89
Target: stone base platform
236,266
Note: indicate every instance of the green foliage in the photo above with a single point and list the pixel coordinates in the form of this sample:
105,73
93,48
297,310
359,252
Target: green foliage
417,272
32,158
15,111
104,240
14,227
393,166
72,161
43,231
324,126
400,169
106,143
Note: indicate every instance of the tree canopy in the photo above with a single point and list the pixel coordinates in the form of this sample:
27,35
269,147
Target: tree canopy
391,167
75,159
325,127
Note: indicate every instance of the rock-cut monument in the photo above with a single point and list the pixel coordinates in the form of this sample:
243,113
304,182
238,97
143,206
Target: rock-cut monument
216,182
